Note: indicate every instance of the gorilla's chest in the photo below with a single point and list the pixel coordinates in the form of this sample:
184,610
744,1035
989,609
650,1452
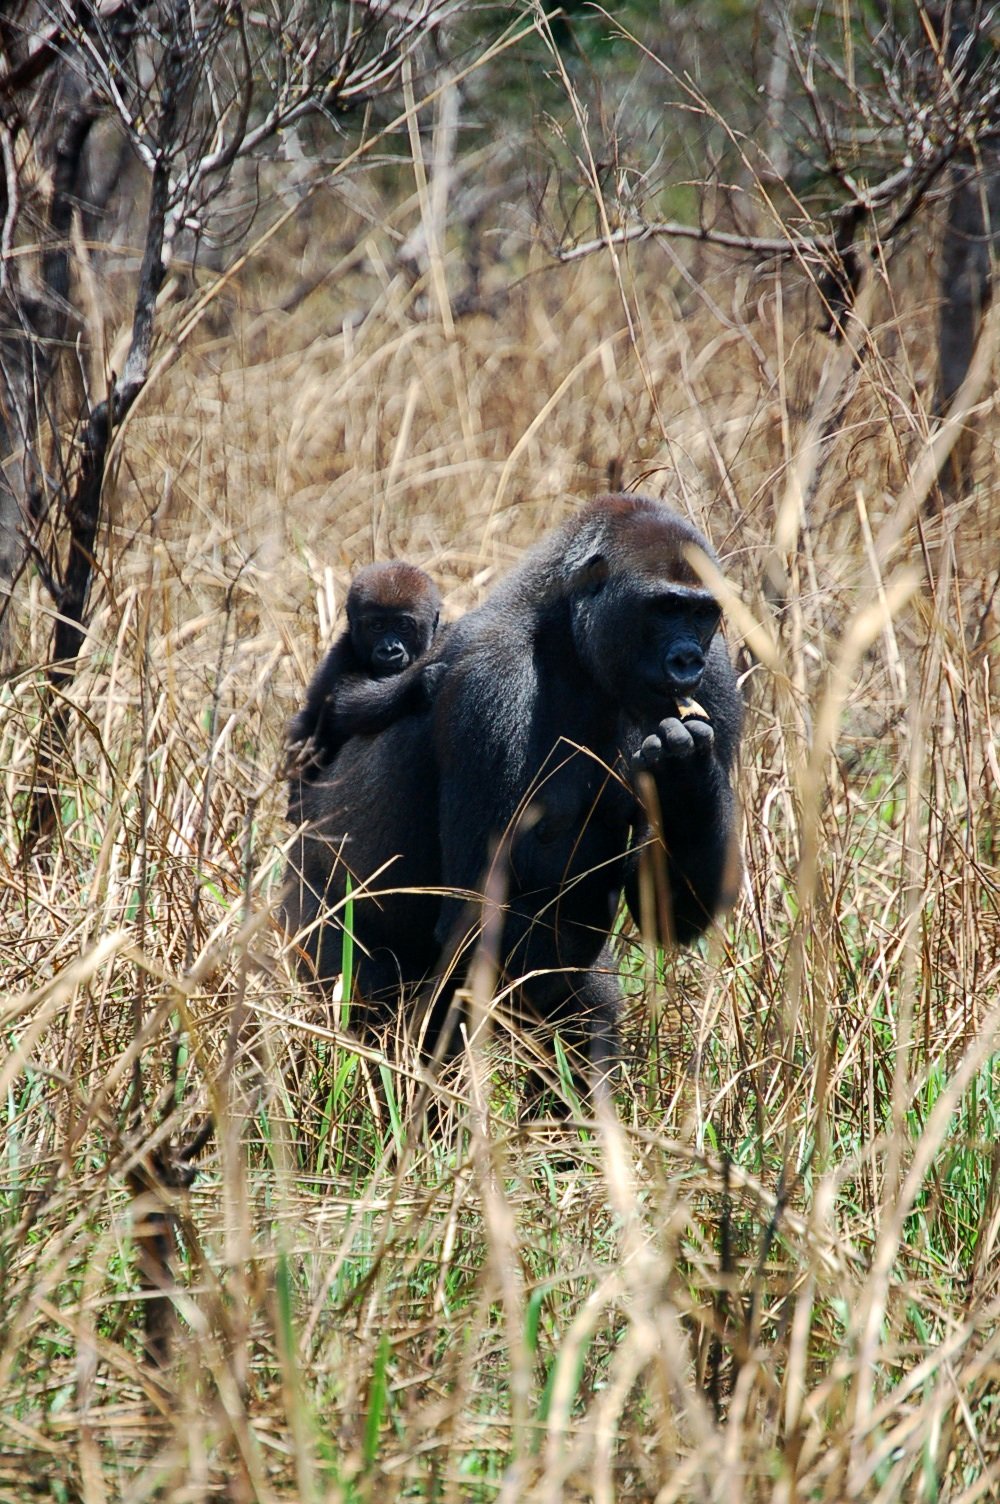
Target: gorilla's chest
575,821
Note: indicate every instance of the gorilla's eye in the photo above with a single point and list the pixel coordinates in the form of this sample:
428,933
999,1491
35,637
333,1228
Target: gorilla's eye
698,611
706,619
670,606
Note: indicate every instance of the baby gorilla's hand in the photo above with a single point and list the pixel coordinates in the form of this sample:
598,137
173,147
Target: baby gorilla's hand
431,675
673,740
300,756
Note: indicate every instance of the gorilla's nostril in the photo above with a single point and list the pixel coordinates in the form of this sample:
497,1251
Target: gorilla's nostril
685,665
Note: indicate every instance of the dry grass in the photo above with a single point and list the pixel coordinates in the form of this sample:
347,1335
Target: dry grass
775,1275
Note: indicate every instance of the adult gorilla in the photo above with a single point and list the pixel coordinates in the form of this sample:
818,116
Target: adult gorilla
546,704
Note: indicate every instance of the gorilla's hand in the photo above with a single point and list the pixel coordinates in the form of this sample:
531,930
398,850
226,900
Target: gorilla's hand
674,740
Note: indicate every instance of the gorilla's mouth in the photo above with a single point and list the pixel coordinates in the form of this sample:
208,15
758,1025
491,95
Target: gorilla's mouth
664,691
389,658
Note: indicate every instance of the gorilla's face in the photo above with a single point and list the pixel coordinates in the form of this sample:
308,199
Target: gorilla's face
645,640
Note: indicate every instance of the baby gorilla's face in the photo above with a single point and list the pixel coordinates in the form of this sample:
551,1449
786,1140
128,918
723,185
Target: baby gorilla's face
388,645
389,642
392,614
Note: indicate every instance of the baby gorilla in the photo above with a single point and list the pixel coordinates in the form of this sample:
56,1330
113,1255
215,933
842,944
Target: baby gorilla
392,615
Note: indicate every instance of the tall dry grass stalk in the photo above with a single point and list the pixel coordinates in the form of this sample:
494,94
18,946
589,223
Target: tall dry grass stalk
774,1273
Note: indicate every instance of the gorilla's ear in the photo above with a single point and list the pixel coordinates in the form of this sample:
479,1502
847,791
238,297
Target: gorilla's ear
592,576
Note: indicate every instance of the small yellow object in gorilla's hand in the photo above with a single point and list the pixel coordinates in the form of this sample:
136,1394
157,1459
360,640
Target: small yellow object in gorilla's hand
690,710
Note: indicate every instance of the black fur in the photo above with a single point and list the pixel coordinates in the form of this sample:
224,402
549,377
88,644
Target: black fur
554,711
392,615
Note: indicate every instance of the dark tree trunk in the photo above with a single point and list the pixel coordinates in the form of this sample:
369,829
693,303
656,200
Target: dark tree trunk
35,311
971,237
971,240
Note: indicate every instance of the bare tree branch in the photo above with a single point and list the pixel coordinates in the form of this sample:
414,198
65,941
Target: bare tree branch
188,104
932,101
47,49
759,245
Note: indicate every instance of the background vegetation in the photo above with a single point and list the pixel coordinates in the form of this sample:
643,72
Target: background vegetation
776,1273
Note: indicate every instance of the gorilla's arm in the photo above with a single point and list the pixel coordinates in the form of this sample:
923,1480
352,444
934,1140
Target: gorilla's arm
363,707
306,728
690,763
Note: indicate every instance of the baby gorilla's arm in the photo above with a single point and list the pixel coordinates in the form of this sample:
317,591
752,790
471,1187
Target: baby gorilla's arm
362,707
